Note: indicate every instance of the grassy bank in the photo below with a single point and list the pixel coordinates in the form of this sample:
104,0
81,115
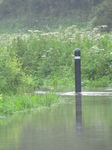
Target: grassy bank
23,102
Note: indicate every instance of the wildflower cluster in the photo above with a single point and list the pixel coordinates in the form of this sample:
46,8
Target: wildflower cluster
39,59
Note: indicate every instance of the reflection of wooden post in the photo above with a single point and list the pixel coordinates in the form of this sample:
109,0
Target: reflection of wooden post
78,114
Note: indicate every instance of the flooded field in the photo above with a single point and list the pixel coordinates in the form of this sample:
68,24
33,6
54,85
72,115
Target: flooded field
83,122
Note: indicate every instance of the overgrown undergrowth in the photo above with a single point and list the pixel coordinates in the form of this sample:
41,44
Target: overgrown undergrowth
36,59
29,61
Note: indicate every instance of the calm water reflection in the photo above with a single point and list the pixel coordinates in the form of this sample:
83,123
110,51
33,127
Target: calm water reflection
78,102
82,123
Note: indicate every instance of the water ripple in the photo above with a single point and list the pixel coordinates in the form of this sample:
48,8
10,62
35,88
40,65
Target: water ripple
73,93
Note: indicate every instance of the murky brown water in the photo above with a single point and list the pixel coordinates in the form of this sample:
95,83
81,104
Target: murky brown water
82,123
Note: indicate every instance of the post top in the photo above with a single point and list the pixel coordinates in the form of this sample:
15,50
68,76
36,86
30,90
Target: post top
77,52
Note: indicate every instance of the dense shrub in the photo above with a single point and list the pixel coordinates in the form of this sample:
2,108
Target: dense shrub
38,14
103,15
12,78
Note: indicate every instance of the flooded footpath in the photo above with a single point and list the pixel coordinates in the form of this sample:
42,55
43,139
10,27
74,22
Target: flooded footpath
82,122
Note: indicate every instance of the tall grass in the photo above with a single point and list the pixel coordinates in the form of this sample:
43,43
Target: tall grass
23,102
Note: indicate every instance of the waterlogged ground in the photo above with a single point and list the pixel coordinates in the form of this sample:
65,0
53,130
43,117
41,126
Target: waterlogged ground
81,123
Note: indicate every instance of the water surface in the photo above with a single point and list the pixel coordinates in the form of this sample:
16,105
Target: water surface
81,123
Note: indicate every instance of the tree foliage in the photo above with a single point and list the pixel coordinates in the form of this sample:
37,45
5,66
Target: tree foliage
103,15
31,12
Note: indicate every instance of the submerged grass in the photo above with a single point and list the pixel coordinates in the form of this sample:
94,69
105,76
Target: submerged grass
16,103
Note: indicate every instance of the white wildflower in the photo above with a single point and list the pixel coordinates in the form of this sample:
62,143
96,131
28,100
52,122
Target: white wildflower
44,34
30,31
95,47
43,56
37,31
95,29
101,49
104,26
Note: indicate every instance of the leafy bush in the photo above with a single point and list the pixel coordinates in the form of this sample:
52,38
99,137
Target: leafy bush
12,78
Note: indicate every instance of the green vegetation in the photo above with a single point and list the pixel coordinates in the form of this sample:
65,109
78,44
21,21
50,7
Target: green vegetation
34,60
23,102
37,60
37,14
